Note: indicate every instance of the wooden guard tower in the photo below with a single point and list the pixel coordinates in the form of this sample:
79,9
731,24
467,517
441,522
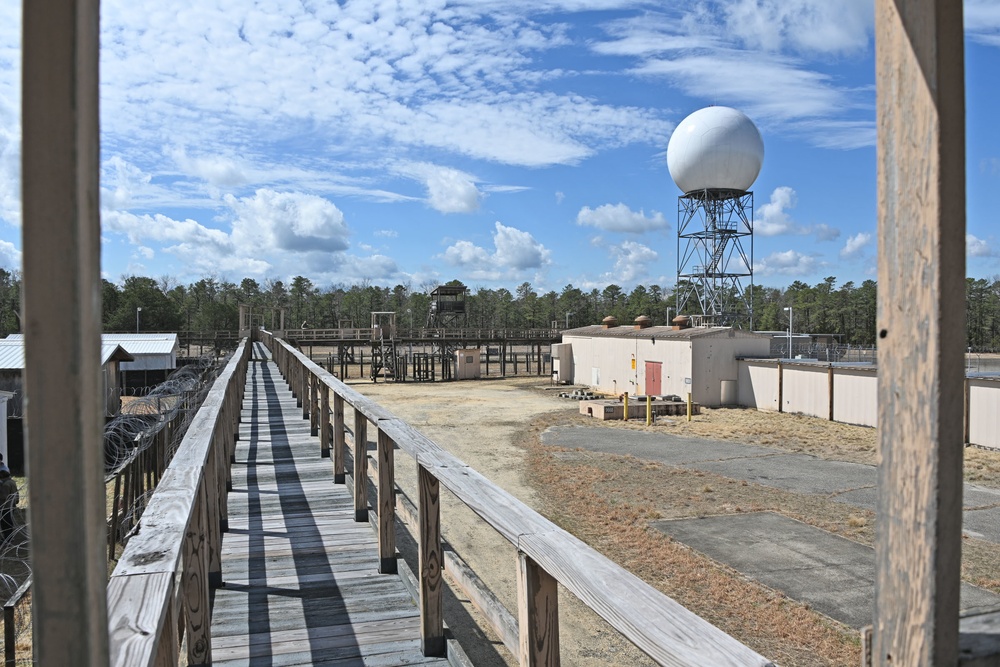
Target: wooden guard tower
447,306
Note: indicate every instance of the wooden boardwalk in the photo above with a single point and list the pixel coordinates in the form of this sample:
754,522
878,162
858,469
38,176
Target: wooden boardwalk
301,585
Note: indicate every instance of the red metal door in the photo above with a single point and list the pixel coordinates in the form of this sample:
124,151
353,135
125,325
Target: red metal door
653,374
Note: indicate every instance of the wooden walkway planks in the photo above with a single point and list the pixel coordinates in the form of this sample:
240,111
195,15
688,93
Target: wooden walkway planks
301,585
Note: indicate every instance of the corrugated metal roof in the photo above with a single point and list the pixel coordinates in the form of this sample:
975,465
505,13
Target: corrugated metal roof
660,333
11,355
114,351
139,344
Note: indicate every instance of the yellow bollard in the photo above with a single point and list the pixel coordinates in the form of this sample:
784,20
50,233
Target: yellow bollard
649,410
689,406
626,406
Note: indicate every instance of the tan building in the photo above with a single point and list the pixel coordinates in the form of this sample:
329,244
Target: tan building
657,361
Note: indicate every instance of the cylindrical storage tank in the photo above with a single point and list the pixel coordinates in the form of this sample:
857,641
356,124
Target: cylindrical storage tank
729,395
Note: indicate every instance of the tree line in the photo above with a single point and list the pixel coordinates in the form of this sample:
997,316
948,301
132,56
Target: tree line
212,304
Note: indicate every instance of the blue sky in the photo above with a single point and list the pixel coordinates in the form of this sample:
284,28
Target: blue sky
493,141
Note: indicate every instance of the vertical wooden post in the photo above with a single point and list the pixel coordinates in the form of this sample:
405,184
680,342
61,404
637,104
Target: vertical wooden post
305,384
60,160
537,614
338,439
967,437
213,535
324,420
360,466
386,504
781,387
195,583
921,307
829,388
314,405
430,559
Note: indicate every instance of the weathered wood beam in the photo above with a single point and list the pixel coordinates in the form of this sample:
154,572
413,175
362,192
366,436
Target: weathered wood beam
921,315
537,615
62,319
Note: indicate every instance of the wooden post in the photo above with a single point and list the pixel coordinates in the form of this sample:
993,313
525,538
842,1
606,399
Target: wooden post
197,612
304,392
829,388
920,105
324,420
360,466
386,504
537,614
966,435
338,439
61,242
781,387
314,415
430,560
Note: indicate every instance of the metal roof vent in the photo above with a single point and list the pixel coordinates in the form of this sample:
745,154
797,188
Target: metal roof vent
643,322
681,322
609,322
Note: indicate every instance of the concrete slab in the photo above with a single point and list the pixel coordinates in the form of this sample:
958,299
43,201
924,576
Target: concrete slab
669,449
849,483
834,575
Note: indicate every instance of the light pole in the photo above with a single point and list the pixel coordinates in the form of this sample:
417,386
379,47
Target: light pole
138,309
568,313
788,309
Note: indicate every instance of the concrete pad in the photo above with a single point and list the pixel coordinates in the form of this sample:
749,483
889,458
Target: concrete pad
669,449
800,473
834,575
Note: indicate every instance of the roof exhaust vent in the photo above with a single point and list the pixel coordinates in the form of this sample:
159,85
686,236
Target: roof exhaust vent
681,322
643,322
609,322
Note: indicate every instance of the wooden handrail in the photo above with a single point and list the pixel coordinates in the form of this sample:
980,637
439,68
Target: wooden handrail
180,533
655,623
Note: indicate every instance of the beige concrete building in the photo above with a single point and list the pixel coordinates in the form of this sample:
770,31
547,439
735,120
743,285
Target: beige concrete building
657,361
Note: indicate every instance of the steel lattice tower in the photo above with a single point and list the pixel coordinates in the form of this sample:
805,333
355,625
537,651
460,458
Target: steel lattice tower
713,266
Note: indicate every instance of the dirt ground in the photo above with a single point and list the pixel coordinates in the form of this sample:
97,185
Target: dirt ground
609,500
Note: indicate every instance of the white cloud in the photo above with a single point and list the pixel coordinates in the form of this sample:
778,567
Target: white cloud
787,263
620,218
977,247
560,196
386,233
982,21
466,254
855,245
515,251
216,170
774,218
816,26
10,256
518,249
696,50
632,262
288,221
448,190
825,232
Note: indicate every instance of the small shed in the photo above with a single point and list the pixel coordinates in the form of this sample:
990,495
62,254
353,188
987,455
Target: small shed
658,360
467,364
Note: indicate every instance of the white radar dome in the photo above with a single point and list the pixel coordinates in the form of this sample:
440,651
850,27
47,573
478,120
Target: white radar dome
715,148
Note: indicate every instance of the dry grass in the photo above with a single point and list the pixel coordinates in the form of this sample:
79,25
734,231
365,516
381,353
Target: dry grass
609,500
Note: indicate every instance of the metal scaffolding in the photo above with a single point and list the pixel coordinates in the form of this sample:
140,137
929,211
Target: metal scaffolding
713,266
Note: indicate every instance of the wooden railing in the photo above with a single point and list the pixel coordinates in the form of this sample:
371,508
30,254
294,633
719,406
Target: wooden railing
546,554
160,587
369,334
